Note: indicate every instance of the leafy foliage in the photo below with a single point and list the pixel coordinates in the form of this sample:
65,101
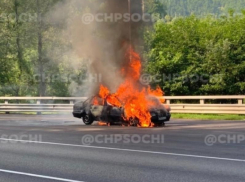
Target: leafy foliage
195,56
20,36
202,7
178,49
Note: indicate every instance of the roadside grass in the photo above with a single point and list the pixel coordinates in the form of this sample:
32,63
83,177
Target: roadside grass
209,116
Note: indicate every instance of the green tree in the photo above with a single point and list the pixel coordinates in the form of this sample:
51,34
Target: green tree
155,7
198,56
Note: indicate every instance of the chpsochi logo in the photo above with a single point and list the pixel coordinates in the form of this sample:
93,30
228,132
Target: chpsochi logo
210,140
145,79
87,139
87,18
122,138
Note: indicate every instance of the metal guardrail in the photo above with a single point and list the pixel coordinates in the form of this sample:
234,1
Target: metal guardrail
37,104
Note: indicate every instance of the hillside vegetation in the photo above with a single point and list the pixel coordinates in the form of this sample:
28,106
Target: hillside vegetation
202,7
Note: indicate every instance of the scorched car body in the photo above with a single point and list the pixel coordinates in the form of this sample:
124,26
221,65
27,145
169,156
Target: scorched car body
105,112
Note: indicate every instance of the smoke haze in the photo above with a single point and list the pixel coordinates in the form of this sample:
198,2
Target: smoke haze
102,44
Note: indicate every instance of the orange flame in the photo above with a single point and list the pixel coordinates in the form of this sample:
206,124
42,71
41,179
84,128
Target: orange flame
95,101
101,123
131,94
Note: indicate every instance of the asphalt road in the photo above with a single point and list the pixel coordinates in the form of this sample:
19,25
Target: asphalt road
61,148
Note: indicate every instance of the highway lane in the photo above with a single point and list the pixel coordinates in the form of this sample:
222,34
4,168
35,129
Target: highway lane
183,156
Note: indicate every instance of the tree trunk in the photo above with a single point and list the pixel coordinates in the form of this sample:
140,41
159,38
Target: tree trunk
19,49
42,85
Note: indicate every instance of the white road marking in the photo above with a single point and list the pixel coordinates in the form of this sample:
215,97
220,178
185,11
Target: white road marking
38,176
127,150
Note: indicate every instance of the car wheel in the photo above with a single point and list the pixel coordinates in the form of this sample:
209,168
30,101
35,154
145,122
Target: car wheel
133,122
88,119
159,124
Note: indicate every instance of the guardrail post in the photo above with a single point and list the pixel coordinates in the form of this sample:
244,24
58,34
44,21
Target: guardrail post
71,102
39,102
168,101
6,102
239,101
202,101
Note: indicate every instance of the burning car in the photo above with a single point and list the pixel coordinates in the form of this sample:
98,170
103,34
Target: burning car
99,109
130,103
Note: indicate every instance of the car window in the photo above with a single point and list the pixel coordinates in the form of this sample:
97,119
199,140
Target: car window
97,101
87,101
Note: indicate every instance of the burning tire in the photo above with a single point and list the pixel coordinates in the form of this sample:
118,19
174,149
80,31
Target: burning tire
88,119
134,122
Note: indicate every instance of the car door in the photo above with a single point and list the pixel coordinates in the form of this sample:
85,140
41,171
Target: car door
96,107
105,116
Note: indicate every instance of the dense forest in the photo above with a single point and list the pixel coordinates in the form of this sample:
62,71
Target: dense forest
184,44
198,56
202,7
33,49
